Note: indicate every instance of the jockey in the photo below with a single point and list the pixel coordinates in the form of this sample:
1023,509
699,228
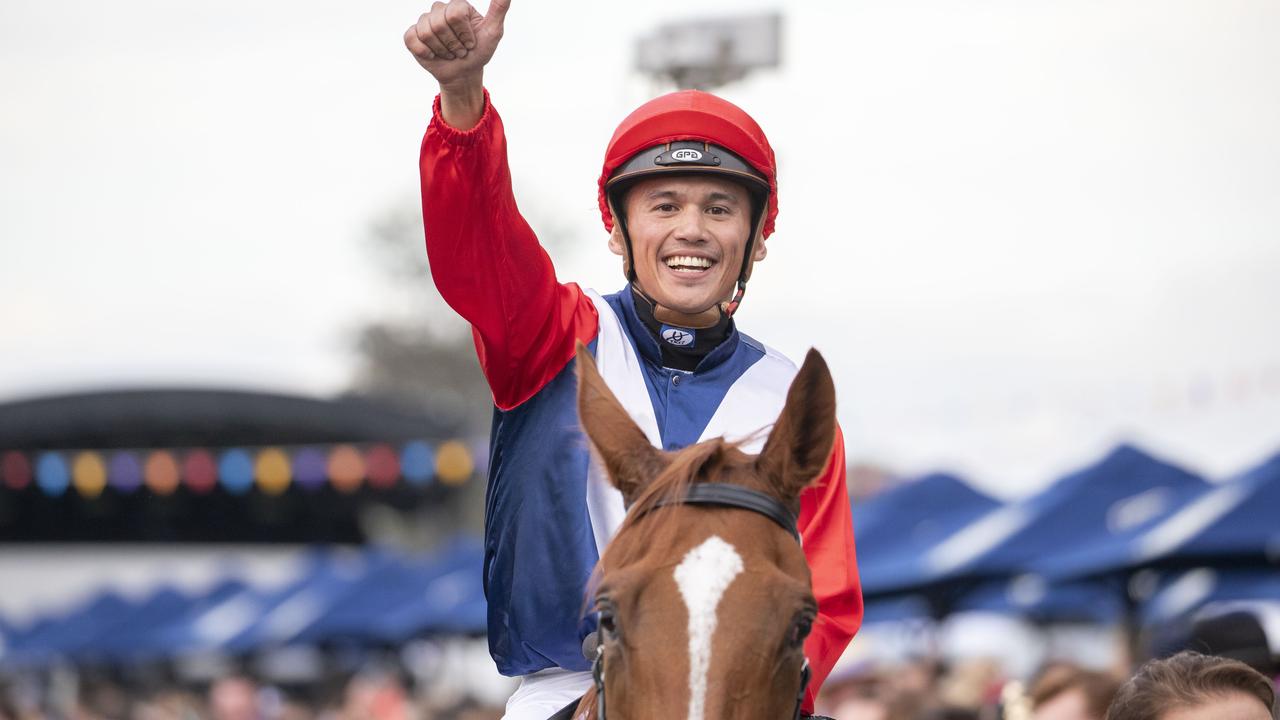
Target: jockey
688,193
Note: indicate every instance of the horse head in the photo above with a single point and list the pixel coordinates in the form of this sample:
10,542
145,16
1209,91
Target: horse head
703,609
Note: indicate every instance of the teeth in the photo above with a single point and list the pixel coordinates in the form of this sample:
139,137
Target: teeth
687,262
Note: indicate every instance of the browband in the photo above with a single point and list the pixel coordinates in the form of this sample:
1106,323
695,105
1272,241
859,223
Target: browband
727,495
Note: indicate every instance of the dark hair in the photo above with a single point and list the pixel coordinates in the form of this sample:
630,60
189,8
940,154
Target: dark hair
1236,635
1098,688
1186,680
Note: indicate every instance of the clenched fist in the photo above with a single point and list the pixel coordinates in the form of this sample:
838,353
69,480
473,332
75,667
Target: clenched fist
453,41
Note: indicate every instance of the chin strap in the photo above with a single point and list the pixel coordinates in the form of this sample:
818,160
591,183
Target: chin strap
665,315
731,307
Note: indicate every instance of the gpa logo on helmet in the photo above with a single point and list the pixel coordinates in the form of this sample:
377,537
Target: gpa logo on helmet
686,155
680,337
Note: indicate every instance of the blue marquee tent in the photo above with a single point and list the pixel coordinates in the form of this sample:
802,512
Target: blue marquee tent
141,635
451,601
6,638
1124,492
894,528
114,639
390,603
1181,593
205,624
1235,521
365,596
283,614
1239,521
896,609
56,637
1036,599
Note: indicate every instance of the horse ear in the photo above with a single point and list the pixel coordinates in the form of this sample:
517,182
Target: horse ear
799,447
629,458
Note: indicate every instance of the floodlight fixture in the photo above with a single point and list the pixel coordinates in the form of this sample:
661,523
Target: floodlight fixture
705,54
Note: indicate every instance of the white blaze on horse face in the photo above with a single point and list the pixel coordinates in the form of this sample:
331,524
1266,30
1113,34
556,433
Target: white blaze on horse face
703,576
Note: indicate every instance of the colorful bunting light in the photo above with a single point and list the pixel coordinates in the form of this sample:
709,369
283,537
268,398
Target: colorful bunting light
453,463
16,470
199,472
88,474
346,468
235,469
417,463
382,466
161,472
272,471
309,469
51,474
124,472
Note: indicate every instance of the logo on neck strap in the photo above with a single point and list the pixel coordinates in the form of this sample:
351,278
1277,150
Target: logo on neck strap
678,336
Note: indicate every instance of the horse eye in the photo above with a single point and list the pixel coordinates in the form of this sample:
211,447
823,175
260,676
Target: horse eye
608,630
606,622
799,631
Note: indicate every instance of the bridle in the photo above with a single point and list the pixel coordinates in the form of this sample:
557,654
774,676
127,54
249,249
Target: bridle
722,495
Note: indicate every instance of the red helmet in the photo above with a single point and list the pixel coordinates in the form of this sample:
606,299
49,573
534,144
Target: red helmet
701,117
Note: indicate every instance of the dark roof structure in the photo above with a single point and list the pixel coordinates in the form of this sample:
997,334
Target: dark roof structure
198,417
121,466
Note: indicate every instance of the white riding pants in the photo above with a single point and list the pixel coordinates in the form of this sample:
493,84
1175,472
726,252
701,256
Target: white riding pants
545,692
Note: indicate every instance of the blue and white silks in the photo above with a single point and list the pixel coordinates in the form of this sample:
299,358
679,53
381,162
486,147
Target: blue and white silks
549,509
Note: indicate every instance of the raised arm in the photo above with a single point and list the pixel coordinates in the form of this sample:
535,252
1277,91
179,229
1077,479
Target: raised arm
485,259
826,525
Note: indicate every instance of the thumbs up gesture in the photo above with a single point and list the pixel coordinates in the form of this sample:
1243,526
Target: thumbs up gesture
454,42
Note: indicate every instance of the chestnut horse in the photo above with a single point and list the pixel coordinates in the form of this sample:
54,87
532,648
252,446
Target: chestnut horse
703,596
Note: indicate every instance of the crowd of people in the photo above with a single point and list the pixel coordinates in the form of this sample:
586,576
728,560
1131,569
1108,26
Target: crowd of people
369,695
1185,686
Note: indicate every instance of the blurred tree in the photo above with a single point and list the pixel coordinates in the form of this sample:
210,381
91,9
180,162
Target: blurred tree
419,356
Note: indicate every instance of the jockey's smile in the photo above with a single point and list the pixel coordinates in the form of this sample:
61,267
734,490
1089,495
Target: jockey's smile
688,234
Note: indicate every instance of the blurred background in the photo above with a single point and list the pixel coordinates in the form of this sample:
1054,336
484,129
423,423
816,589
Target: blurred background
243,442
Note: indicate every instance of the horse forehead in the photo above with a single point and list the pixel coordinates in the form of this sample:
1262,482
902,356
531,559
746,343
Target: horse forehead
706,571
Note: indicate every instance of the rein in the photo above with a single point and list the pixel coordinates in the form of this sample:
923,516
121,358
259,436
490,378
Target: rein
721,495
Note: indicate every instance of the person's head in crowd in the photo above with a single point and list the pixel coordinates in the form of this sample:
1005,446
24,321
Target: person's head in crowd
1191,686
1237,635
233,698
375,695
970,683
1066,692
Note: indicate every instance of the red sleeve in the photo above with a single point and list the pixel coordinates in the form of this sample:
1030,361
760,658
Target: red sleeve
826,525
488,265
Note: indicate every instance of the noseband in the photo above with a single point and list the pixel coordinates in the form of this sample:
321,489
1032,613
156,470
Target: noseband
721,495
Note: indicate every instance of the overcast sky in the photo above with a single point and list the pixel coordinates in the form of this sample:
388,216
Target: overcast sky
1019,231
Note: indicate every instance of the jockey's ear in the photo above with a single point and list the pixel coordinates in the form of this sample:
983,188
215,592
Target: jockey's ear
799,447
629,458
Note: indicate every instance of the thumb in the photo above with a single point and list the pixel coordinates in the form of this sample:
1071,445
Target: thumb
497,13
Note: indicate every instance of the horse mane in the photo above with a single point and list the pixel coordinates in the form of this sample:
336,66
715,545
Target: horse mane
691,465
